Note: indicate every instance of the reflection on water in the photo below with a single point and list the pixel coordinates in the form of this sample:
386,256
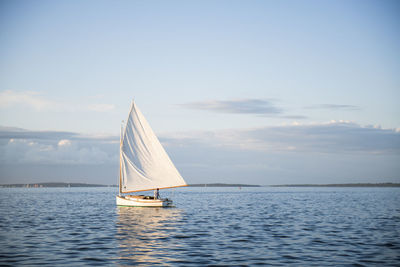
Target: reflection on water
143,234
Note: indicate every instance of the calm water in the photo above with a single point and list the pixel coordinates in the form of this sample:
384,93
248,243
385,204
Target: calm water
209,226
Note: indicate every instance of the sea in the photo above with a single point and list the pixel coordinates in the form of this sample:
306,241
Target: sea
267,226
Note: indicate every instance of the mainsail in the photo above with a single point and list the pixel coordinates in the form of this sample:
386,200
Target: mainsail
144,164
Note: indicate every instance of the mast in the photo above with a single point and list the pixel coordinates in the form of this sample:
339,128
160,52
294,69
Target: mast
120,162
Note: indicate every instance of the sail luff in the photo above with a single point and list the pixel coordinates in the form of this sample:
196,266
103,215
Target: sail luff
123,132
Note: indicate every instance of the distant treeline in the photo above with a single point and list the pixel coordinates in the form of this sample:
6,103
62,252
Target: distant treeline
53,184
223,185
341,185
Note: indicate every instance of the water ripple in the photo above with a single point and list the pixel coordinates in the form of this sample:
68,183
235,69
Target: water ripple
277,227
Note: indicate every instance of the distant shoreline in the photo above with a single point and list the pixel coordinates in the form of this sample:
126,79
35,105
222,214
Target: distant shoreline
223,185
341,185
46,185
61,185
53,184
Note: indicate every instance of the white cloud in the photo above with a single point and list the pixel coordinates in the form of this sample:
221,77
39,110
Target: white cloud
47,147
331,137
328,138
36,101
31,99
64,142
304,153
333,152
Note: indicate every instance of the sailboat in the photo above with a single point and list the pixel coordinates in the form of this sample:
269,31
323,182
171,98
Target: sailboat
144,164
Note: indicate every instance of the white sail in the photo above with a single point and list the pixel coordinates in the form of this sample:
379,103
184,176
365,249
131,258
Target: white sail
144,164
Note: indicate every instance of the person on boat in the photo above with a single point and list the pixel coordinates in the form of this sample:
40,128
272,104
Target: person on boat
157,194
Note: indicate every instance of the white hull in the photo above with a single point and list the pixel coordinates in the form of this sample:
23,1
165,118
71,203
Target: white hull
143,201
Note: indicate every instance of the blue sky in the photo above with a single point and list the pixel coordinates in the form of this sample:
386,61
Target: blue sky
262,92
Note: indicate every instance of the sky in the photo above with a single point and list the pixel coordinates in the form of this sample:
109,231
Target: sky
259,92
